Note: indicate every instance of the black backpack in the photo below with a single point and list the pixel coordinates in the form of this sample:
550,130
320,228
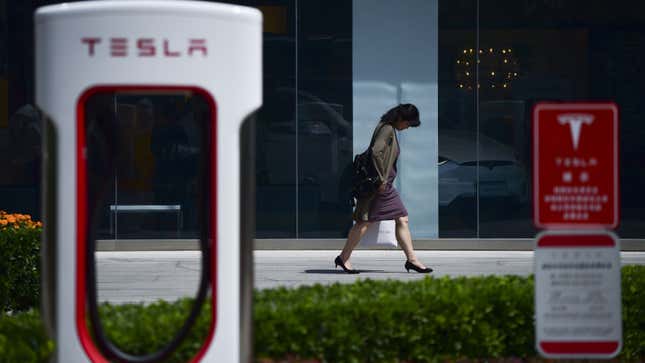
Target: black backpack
365,178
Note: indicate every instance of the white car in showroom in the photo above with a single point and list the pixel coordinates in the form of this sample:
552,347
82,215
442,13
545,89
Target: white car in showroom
501,175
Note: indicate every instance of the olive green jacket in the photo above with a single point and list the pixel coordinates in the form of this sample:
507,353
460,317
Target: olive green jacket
384,151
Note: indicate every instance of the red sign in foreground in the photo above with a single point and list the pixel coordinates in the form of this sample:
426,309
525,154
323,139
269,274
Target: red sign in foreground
575,165
577,294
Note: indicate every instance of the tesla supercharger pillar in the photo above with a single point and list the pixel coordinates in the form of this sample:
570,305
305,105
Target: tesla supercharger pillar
91,53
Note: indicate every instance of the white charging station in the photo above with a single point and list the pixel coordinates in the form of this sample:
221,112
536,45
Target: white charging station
88,49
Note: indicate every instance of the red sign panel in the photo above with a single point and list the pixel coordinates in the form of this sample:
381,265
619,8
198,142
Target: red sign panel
575,165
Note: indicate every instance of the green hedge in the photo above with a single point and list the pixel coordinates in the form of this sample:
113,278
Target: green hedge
23,339
140,330
633,291
385,321
368,321
19,268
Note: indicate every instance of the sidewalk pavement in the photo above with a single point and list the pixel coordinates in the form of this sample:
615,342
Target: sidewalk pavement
148,276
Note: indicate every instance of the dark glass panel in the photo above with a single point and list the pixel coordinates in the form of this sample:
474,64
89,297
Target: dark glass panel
20,131
158,143
276,131
457,119
324,118
20,128
563,50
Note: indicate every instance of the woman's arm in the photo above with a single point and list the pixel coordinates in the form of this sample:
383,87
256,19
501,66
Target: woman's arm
381,151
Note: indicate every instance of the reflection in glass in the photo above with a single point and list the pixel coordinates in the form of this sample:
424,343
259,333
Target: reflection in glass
276,135
154,187
457,149
564,54
324,118
564,50
20,153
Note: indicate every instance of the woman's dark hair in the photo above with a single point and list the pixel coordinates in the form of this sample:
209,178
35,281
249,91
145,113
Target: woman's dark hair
404,111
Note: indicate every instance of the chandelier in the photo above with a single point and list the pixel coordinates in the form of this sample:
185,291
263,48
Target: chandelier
498,68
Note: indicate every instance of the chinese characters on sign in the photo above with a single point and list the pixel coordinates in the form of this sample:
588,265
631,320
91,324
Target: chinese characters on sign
577,261
575,165
577,294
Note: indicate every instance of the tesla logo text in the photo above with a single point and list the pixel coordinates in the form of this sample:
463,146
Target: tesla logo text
575,122
146,47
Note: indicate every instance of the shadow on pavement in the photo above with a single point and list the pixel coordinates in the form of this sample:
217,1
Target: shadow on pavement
340,272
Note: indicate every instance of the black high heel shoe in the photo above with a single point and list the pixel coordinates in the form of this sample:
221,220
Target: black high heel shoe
339,262
410,266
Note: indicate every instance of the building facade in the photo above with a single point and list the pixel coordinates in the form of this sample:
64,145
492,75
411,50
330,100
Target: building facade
474,68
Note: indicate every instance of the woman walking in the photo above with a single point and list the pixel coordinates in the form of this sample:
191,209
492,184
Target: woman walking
386,203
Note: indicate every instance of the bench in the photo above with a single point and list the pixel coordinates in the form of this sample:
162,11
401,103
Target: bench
144,208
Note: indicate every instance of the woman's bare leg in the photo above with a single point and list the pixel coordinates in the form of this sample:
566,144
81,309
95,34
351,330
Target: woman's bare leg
355,234
404,238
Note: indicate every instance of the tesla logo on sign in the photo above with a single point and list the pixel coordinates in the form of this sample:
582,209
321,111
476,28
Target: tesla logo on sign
146,47
575,165
575,122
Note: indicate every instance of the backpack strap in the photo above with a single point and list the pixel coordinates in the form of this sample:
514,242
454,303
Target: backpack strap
376,130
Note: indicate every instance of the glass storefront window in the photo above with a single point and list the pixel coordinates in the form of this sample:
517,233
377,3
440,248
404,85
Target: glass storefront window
562,51
457,130
148,161
395,64
324,118
277,179
332,68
